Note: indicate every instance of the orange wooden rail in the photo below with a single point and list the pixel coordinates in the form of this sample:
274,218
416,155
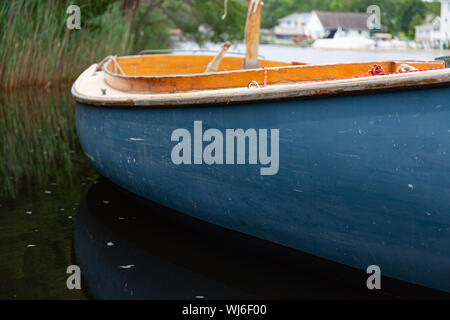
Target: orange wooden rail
173,73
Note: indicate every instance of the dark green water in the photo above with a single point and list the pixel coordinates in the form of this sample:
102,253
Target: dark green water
43,175
56,211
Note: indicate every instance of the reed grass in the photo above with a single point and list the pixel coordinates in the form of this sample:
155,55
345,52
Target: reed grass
39,50
39,142
39,59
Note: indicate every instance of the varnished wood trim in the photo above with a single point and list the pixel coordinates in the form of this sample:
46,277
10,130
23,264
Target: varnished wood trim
87,89
241,78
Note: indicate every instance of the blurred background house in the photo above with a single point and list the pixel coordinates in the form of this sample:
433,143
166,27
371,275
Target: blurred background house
325,24
292,26
428,35
445,24
435,33
322,24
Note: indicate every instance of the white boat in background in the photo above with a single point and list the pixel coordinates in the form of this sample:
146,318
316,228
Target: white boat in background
342,42
396,44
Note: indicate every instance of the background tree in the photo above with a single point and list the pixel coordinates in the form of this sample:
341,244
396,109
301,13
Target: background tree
153,19
407,10
415,21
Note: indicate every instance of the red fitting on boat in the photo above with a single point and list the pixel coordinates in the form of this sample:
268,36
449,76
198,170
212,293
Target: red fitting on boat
375,70
265,77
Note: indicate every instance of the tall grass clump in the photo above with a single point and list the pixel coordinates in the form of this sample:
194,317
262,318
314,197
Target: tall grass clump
39,142
40,57
39,50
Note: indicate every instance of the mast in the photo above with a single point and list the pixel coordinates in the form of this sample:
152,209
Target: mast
252,29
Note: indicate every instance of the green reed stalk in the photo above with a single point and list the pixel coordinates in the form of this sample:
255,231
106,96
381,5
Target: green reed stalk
38,50
39,141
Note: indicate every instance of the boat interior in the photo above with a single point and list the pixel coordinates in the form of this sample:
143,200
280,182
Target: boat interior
169,73
171,64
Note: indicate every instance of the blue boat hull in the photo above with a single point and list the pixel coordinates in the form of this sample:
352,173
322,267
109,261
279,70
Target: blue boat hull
363,180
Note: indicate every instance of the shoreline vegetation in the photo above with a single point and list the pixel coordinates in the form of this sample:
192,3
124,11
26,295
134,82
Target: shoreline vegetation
38,50
40,57
39,143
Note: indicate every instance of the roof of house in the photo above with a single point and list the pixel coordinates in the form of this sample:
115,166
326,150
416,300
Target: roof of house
344,20
303,15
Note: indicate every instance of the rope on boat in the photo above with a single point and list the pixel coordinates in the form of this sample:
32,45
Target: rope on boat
265,77
406,67
377,70
254,5
106,60
225,4
254,83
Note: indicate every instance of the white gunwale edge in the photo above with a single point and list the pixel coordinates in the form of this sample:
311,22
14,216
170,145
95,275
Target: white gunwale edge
88,89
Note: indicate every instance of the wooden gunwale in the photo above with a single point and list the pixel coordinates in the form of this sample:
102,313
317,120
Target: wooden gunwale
183,82
188,62
87,89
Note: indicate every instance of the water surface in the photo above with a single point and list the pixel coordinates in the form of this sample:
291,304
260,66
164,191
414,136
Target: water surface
316,56
42,178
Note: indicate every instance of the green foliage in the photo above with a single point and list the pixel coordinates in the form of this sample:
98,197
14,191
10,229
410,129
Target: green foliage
415,21
209,13
39,144
154,19
37,48
434,8
410,8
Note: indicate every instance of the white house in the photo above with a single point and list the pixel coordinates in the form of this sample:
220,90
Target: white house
292,25
436,34
320,24
429,34
325,24
445,23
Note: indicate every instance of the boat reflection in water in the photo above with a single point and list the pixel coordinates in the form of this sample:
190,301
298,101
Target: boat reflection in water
130,250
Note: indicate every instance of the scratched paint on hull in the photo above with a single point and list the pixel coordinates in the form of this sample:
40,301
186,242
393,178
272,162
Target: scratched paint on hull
362,179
